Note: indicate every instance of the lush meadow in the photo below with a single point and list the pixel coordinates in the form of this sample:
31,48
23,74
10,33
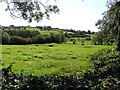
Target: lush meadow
41,59
58,60
46,58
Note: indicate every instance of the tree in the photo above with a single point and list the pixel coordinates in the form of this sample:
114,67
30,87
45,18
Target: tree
100,38
114,20
82,42
110,24
5,38
89,32
94,40
118,45
30,9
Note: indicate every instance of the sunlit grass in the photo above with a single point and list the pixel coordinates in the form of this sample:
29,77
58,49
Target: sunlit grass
46,59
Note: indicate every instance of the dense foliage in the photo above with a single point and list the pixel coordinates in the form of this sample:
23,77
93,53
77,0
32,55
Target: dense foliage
32,35
105,76
107,67
21,36
109,25
31,10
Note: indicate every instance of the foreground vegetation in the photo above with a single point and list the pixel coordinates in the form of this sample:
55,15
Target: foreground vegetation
60,67
105,76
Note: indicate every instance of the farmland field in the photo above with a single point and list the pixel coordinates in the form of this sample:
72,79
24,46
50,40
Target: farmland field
44,32
41,59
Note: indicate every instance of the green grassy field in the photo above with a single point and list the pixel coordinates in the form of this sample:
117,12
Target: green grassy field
45,32
44,59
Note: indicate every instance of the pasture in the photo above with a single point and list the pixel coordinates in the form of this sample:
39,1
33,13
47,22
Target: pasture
42,59
44,32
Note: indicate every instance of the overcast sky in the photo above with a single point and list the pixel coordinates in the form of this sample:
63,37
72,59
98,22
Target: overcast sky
74,14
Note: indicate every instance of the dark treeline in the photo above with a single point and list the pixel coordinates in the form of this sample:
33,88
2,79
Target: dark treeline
22,36
104,38
79,34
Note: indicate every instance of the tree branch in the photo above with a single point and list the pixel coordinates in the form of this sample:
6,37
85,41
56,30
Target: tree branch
11,13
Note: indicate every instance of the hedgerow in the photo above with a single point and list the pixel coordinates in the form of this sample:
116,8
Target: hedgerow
22,37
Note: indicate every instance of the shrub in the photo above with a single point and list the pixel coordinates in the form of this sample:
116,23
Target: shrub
32,36
82,42
18,40
11,32
34,33
39,39
87,38
107,67
62,35
94,40
5,38
13,81
47,39
22,33
74,41
55,38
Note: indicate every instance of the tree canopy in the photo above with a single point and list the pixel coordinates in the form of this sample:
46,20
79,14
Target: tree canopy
31,9
110,24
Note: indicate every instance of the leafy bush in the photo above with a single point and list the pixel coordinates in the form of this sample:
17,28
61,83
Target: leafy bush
94,40
22,36
49,82
107,67
38,39
74,41
106,59
55,38
82,42
5,38
22,33
47,39
88,38
19,40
